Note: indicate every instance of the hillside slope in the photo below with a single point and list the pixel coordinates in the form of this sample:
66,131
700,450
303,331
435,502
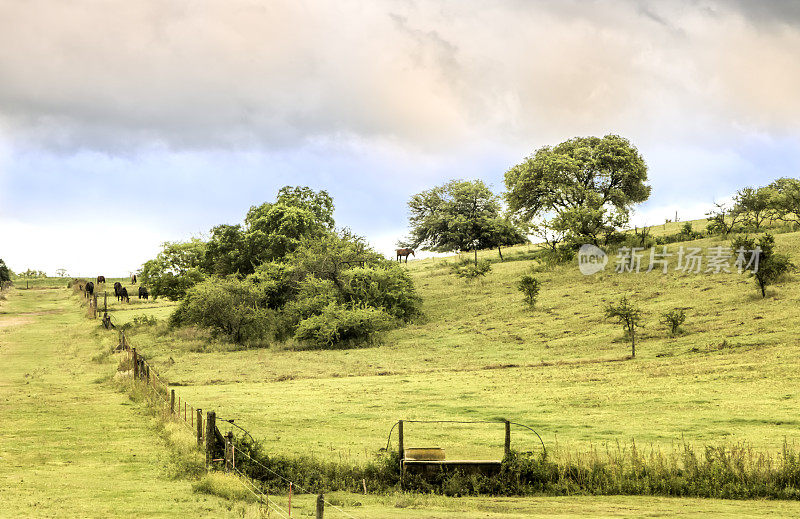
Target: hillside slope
561,368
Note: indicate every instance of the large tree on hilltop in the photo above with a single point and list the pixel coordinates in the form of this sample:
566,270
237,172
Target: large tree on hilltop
459,216
584,187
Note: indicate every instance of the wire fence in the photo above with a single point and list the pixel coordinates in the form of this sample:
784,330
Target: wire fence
208,435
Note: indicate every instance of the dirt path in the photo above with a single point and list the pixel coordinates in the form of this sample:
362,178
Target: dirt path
70,444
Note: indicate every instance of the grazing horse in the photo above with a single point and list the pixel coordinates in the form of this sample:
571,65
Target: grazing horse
89,289
404,253
133,279
101,279
117,289
143,293
123,295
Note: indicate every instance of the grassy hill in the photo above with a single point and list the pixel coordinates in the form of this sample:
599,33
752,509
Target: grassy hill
562,368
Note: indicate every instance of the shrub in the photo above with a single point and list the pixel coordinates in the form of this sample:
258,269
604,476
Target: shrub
673,320
337,325
388,287
227,306
529,286
467,270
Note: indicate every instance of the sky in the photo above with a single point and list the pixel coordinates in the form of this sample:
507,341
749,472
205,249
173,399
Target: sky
127,124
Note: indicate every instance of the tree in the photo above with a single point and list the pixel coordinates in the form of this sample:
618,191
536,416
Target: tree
786,199
767,266
502,233
319,203
176,269
718,219
270,232
458,216
5,272
628,315
585,186
61,272
755,205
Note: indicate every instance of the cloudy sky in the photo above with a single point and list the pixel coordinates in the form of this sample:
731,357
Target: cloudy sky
125,124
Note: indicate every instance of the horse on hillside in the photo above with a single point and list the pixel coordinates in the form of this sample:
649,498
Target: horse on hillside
404,253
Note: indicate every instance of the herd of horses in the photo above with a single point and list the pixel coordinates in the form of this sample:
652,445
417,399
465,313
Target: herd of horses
122,293
119,291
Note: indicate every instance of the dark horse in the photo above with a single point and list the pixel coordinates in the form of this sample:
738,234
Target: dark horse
89,289
117,289
123,295
101,279
404,253
143,293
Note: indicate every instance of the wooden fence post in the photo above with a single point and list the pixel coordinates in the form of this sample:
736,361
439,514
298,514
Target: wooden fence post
105,302
228,451
147,372
320,506
172,401
135,364
508,438
199,427
401,450
211,425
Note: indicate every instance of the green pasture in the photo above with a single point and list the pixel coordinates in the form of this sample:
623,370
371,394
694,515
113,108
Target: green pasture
71,444
74,445
562,368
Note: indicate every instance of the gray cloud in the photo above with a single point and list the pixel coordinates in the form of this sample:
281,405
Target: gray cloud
243,74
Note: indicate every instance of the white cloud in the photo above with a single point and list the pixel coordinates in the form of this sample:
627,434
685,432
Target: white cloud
83,248
428,75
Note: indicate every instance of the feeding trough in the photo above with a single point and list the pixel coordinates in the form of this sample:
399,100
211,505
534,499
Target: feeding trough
430,460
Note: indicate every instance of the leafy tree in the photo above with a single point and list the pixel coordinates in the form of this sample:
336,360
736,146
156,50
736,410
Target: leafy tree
458,216
61,272
319,203
628,315
786,199
176,268
227,253
285,272
529,286
583,187
502,233
330,255
5,272
673,319
768,266
270,232
722,220
755,205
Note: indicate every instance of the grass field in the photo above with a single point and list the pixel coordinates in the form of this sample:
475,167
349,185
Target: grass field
74,446
71,445
480,355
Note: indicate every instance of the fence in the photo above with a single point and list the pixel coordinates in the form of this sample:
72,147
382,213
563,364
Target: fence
219,450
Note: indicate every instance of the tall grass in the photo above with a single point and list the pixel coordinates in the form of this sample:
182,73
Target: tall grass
725,472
